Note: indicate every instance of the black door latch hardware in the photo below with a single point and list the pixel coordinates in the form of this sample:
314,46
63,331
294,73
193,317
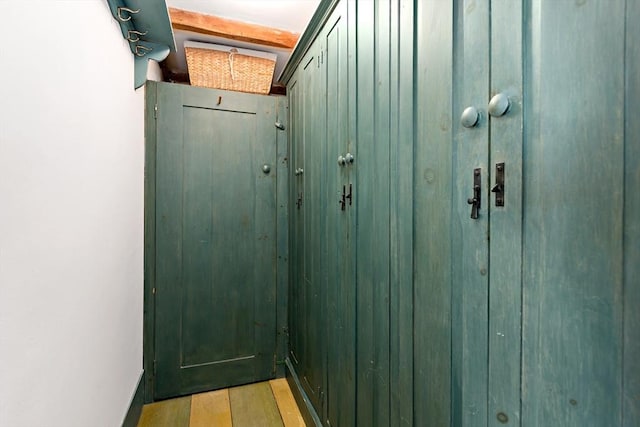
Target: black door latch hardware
477,194
498,188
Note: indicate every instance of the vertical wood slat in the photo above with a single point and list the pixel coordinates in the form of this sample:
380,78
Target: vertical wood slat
401,156
572,250
211,409
505,246
282,233
469,252
149,238
168,413
631,298
372,199
289,411
254,405
433,213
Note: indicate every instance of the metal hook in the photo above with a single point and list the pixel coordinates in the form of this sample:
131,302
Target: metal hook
146,49
126,9
137,35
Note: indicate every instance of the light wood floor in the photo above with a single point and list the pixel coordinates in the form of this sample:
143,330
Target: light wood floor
266,404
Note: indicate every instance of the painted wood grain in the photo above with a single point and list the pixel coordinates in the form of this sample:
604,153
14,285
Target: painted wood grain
505,243
289,412
210,409
433,213
573,252
339,234
254,405
168,413
216,243
631,299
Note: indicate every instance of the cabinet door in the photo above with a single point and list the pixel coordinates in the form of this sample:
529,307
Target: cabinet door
575,246
539,280
470,257
340,212
314,222
215,236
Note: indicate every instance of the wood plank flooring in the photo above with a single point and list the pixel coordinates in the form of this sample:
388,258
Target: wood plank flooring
266,404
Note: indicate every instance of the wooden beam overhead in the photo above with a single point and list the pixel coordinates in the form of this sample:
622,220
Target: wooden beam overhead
229,29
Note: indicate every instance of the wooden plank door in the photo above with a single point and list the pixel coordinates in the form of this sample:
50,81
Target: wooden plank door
540,280
470,256
577,160
313,354
215,263
340,287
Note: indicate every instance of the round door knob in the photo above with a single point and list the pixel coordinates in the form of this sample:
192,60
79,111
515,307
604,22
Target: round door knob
341,161
349,159
499,105
266,169
470,117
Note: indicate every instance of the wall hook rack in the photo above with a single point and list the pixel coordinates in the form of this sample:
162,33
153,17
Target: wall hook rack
145,24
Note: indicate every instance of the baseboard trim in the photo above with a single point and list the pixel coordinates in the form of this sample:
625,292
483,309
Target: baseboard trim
135,407
309,414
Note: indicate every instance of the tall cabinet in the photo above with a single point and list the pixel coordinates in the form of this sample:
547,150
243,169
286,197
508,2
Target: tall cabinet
465,213
322,293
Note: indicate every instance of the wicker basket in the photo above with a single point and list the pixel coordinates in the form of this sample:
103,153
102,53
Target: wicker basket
224,67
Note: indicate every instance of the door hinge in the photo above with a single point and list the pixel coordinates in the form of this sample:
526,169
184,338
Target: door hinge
153,291
155,111
154,367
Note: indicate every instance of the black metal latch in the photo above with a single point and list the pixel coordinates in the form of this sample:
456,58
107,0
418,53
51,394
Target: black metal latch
498,188
343,199
475,201
299,201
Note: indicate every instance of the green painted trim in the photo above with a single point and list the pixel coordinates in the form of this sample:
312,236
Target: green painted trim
320,17
149,239
304,404
135,407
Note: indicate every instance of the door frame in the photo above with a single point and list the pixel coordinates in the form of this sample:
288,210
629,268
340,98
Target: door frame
282,248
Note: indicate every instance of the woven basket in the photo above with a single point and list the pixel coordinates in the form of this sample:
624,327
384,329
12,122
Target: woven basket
223,67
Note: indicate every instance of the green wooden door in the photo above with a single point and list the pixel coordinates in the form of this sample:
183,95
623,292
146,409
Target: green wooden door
580,170
539,283
340,205
308,220
215,239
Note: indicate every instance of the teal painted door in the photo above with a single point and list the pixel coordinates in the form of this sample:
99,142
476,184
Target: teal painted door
580,176
340,227
215,262
539,284
308,278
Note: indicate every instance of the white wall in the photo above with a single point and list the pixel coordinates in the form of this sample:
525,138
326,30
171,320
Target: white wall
71,216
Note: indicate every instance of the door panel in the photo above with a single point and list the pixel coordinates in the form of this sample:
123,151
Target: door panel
573,217
340,288
505,222
539,341
215,237
314,178
470,236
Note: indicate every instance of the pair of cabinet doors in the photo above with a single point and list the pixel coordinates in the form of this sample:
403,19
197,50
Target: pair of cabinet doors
322,214
544,263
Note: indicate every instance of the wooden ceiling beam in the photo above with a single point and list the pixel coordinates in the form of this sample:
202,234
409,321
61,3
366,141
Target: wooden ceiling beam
229,29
